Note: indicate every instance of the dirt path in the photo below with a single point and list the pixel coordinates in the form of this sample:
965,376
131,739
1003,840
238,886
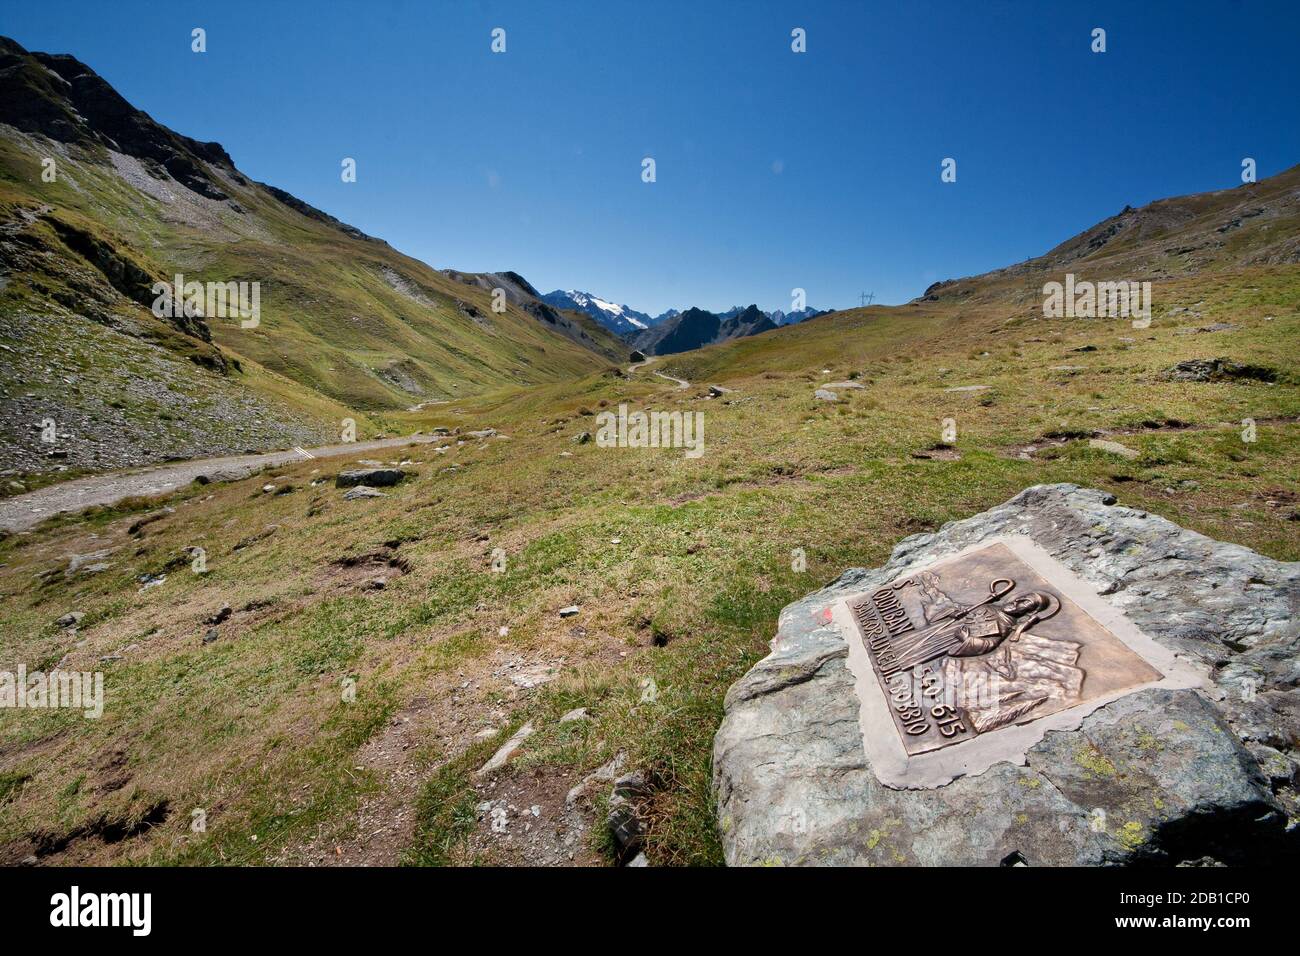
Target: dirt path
27,510
681,382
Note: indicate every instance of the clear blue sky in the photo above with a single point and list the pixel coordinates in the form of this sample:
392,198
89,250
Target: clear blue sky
531,160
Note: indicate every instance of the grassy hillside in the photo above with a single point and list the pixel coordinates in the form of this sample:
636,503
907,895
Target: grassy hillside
357,327
680,567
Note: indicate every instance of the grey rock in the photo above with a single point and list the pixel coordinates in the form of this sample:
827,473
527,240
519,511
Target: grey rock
602,774
71,619
1113,447
507,750
88,563
362,491
826,395
1218,370
625,824
370,477
1213,327
569,611
1158,776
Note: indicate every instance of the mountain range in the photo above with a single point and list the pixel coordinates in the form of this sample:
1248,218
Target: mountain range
636,326
619,319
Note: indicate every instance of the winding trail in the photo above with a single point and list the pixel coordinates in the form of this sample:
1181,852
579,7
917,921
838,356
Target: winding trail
681,382
27,510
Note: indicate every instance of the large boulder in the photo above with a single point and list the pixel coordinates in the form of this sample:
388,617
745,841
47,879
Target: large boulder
1194,762
370,477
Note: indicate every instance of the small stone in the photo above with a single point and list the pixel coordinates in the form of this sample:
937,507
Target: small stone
826,395
1114,447
211,635
578,713
625,824
362,491
569,611
507,750
71,619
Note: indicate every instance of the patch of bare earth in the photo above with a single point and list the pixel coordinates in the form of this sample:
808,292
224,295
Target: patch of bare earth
524,819
457,712
384,823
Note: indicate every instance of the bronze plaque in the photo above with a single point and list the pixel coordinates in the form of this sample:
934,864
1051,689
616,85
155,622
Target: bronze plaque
984,641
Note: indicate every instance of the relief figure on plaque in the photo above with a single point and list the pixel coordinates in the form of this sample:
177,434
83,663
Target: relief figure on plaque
993,666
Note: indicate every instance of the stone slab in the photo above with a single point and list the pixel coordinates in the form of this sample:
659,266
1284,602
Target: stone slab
1159,774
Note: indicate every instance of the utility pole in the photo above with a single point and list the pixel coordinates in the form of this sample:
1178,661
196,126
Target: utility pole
866,298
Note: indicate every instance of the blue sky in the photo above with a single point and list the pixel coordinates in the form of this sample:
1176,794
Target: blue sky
775,170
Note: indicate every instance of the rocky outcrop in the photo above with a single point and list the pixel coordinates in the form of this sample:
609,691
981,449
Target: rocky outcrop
370,477
60,97
1158,776
1218,370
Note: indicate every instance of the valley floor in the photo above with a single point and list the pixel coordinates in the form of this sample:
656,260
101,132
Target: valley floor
376,653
